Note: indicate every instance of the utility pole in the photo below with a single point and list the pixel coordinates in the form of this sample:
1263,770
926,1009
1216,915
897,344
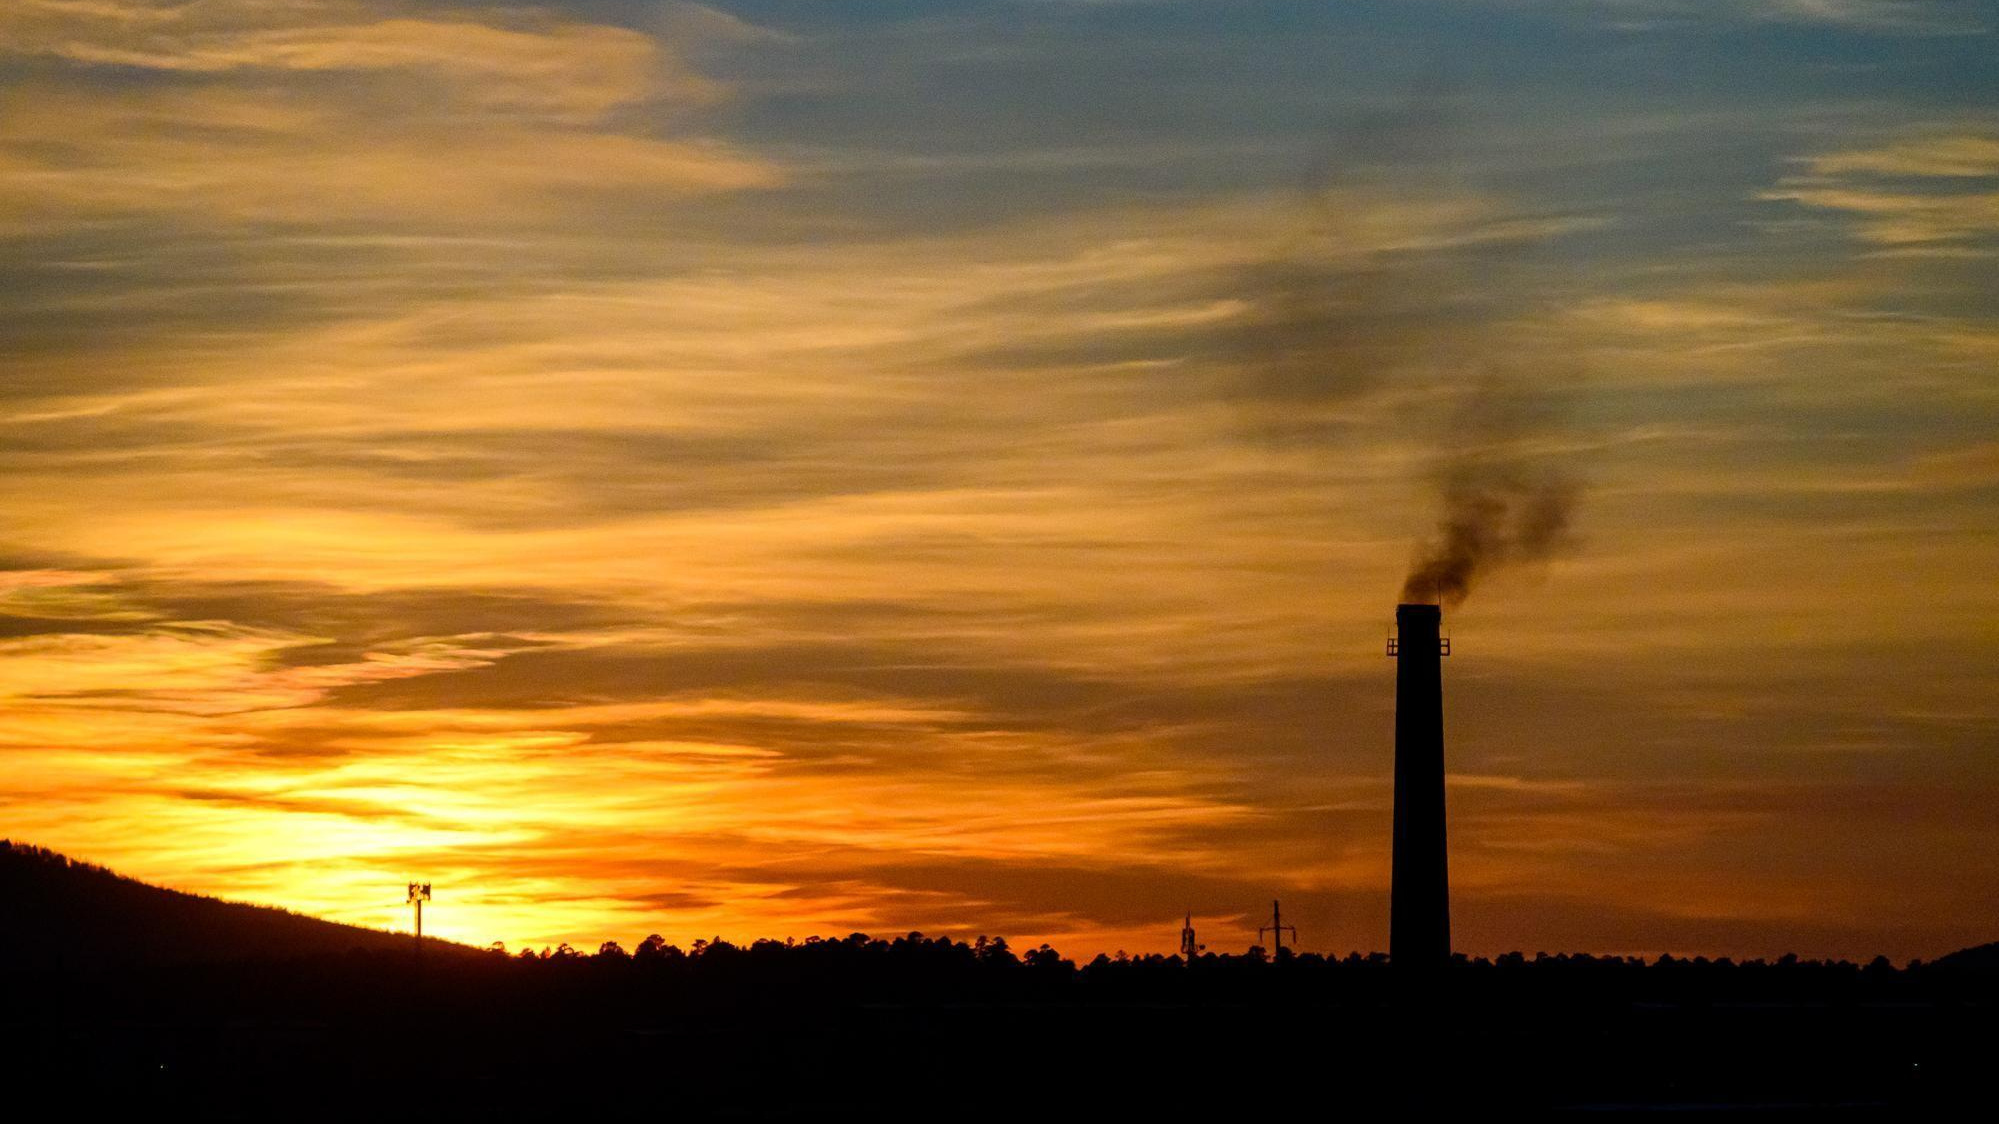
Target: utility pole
419,894
1276,930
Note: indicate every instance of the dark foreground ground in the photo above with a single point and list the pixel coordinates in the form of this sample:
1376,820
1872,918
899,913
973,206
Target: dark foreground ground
907,1034
1016,1062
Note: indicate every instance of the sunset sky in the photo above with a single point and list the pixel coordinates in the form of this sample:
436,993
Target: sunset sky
787,467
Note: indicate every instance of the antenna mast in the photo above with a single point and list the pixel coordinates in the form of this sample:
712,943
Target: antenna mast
1189,949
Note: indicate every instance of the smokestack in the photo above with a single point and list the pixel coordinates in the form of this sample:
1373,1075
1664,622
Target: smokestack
1419,910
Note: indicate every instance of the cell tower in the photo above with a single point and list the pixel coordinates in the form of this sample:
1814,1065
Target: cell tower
419,894
1276,930
1189,948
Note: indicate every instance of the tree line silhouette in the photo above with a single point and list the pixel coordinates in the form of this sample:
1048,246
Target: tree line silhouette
71,921
858,1025
919,968
895,1026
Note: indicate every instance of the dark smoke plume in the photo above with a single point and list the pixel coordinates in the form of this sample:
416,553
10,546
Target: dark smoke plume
1505,497
1335,315
1340,323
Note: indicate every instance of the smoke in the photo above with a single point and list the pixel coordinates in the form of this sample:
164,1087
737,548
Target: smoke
1402,287
1348,303
1506,494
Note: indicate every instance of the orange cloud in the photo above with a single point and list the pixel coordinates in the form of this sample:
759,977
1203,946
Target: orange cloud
421,461
429,120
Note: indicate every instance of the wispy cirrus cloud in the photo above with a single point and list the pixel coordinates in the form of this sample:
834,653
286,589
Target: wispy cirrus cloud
1883,17
1936,190
319,112
537,67
1947,155
647,472
1912,17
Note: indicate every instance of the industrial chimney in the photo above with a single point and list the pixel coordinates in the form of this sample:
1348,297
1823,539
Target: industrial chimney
1419,909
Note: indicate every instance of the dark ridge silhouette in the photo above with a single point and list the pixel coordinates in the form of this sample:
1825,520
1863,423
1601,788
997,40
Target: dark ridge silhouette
60,910
829,1029
1981,958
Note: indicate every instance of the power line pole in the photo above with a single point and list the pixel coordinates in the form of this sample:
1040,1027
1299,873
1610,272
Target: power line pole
419,894
1276,930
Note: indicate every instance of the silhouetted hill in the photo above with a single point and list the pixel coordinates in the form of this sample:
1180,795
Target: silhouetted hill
1982,958
56,910
130,998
